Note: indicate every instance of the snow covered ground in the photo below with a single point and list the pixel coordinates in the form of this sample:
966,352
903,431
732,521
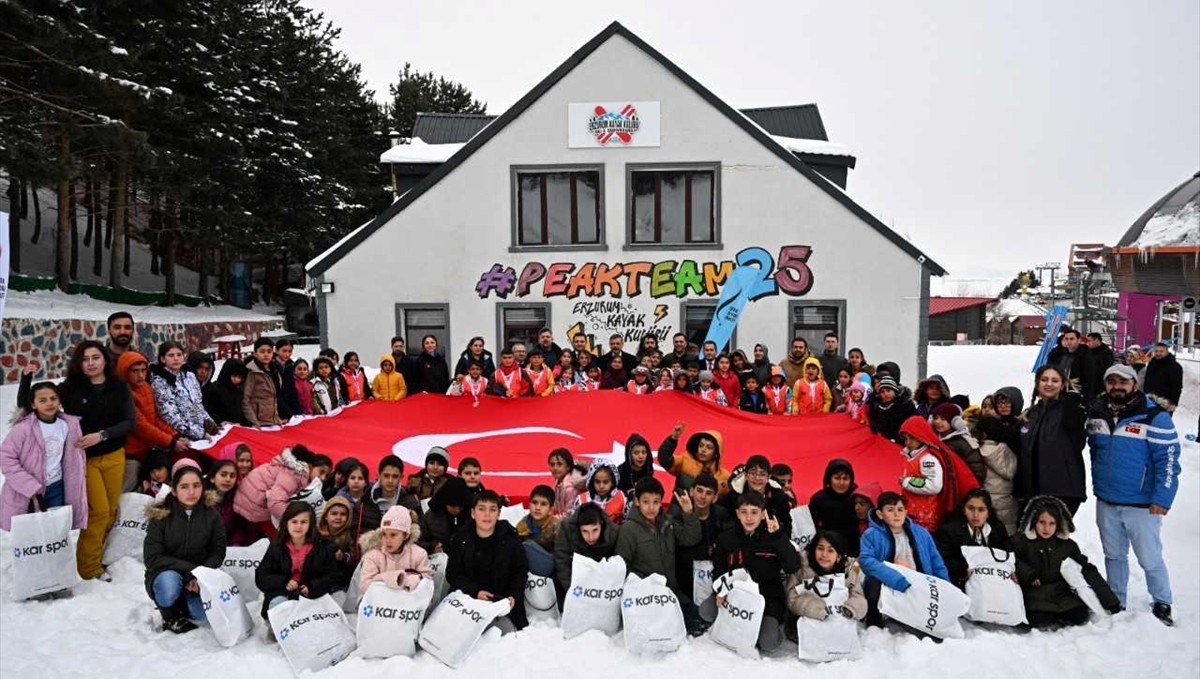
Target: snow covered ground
104,631
56,304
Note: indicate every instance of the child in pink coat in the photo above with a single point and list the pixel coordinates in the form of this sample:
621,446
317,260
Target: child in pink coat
265,491
43,465
391,554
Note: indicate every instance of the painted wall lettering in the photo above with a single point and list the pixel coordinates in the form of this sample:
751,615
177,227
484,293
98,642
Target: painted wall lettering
788,274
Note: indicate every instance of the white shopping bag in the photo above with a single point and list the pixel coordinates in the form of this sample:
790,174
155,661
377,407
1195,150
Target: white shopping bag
456,625
438,563
803,528
1072,572
43,547
312,494
834,638
995,596
739,620
389,620
702,584
312,633
594,600
224,607
354,591
128,532
651,615
831,588
931,605
513,514
541,601
241,562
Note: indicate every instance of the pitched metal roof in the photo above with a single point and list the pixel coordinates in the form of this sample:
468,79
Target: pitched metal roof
1181,203
797,122
449,128
945,305
322,262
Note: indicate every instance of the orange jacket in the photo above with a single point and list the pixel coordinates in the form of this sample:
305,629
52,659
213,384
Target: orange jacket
811,397
149,429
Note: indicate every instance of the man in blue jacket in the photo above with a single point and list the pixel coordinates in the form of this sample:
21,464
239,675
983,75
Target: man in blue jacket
1135,474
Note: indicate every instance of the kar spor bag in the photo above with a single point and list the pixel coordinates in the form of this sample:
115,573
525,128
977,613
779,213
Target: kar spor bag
456,625
389,620
312,495
311,632
702,585
995,596
541,601
224,607
651,614
835,637
128,532
594,599
803,527
739,620
241,562
43,547
930,605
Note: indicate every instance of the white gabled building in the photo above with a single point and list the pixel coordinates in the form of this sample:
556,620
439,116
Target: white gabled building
619,195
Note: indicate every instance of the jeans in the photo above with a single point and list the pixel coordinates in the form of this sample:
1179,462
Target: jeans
54,495
275,601
168,587
541,562
1121,526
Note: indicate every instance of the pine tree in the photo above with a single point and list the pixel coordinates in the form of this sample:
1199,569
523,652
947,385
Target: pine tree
416,92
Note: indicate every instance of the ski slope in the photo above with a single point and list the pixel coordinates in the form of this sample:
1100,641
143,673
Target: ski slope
104,631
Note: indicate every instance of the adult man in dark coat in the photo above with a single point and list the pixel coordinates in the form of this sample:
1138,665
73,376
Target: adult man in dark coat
1164,376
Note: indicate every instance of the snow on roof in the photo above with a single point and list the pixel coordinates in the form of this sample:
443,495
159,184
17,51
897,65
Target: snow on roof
1167,229
333,248
417,151
1013,307
813,146
58,305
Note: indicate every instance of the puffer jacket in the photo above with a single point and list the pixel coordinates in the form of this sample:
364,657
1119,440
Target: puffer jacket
23,461
507,568
767,557
956,534
1040,559
180,402
806,594
685,468
885,419
265,491
959,440
570,543
878,547
1012,423
388,386
1135,454
177,541
320,572
1051,456
648,548
627,477
835,512
815,397
613,503
326,395
402,570
1001,464
149,430
566,490
260,395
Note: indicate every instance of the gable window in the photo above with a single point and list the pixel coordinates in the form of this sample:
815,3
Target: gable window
674,205
812,319
557,206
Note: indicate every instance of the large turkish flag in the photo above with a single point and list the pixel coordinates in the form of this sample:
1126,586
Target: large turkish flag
512,437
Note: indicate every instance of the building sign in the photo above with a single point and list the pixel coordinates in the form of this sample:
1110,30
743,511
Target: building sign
763,274
612,124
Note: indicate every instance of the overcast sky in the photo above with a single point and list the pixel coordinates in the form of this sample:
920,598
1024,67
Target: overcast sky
992,135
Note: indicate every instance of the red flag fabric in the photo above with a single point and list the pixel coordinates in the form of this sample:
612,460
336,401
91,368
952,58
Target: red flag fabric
512,437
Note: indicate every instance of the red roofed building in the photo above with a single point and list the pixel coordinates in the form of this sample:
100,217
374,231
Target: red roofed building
950,317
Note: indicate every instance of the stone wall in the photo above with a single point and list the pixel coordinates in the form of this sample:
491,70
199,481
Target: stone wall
49,341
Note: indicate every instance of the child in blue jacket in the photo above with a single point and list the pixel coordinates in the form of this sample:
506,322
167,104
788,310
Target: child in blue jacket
892,537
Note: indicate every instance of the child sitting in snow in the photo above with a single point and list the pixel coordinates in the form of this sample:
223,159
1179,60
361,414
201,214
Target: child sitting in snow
930,483
637,464
602,479
1040,549
538,531
298,562
154,472
832,507
894,538
391,554
824,557
335,527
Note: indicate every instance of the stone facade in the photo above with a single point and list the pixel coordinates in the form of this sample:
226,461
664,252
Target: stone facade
49,342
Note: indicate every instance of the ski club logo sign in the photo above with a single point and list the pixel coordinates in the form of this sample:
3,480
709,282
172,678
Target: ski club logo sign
613,124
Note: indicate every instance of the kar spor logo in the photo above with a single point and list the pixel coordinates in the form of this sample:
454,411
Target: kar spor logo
38,550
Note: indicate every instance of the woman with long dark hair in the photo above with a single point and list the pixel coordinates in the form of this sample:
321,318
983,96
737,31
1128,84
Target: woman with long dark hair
105,410
1050,461
431,371
475,352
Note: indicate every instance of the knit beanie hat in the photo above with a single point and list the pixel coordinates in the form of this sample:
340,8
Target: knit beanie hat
946,411
887,382
440,453
706,376
397,518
